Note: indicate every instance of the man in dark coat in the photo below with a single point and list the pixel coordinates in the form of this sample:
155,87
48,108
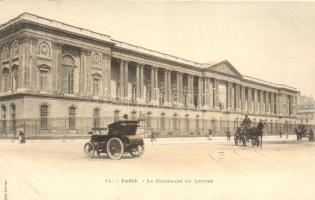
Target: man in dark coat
247,123
228,134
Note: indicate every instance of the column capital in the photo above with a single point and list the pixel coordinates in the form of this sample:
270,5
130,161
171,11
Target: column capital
106,55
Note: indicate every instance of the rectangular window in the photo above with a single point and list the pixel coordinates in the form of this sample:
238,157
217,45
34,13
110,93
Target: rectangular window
6,81
162,122
43,80
68,79
72,117
44,117
96,86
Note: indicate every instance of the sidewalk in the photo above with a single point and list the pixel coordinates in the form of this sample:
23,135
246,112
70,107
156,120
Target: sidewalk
161,141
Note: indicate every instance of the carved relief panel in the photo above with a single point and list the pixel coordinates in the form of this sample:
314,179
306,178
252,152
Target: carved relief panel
44,49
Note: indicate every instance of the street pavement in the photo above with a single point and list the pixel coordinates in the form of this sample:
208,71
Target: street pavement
171,168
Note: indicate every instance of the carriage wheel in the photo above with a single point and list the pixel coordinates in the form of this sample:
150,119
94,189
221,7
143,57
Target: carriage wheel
89,150
115,148
138,151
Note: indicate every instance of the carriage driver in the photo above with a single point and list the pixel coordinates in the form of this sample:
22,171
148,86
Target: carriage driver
247,123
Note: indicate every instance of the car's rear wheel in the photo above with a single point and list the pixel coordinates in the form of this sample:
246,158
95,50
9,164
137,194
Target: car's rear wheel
137,151
115,148
89,150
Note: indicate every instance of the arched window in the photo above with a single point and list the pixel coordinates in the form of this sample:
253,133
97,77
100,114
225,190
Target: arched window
68,65
13,116
162,121
148,120
96,118
44,116
6,79
197,124
4,116
187,123
72,117
175,122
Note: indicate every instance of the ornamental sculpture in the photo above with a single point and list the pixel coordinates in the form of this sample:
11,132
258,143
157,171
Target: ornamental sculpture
44,48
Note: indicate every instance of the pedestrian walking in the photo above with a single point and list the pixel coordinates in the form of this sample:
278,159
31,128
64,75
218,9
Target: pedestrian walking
210,134
21,137
228,134
153,134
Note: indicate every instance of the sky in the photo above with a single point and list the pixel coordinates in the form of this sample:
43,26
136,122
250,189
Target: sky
273,41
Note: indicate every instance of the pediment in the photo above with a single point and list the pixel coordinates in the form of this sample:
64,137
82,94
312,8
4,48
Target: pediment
225,67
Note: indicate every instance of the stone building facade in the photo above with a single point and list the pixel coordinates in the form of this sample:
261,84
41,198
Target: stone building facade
52,71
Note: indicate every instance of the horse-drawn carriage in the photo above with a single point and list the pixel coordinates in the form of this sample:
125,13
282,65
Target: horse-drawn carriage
121,138
301,132
253,134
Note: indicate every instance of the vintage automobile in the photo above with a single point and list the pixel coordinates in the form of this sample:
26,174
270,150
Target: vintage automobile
121,138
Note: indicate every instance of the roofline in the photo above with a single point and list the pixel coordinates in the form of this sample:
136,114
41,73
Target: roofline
276,85
26,16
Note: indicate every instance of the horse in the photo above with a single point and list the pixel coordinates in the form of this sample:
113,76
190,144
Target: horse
255,133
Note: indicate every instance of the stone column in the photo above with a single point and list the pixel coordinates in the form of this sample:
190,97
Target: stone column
272,103
170,94
261,100
122,79
141,76
199,93
127,96
177,88
189,90
294,105
105,70
216,94
238,97
193,92
181,92
277,103
229,96
152,99
267,103
290,104
59,69
206,94
249,100
243,99
21,66
165,87
256,101
109,75
138,89
157,92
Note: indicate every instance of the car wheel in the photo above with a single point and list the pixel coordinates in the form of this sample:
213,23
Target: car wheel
115,148
138,151
89,150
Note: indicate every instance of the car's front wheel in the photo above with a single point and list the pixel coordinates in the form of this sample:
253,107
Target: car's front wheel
89,150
